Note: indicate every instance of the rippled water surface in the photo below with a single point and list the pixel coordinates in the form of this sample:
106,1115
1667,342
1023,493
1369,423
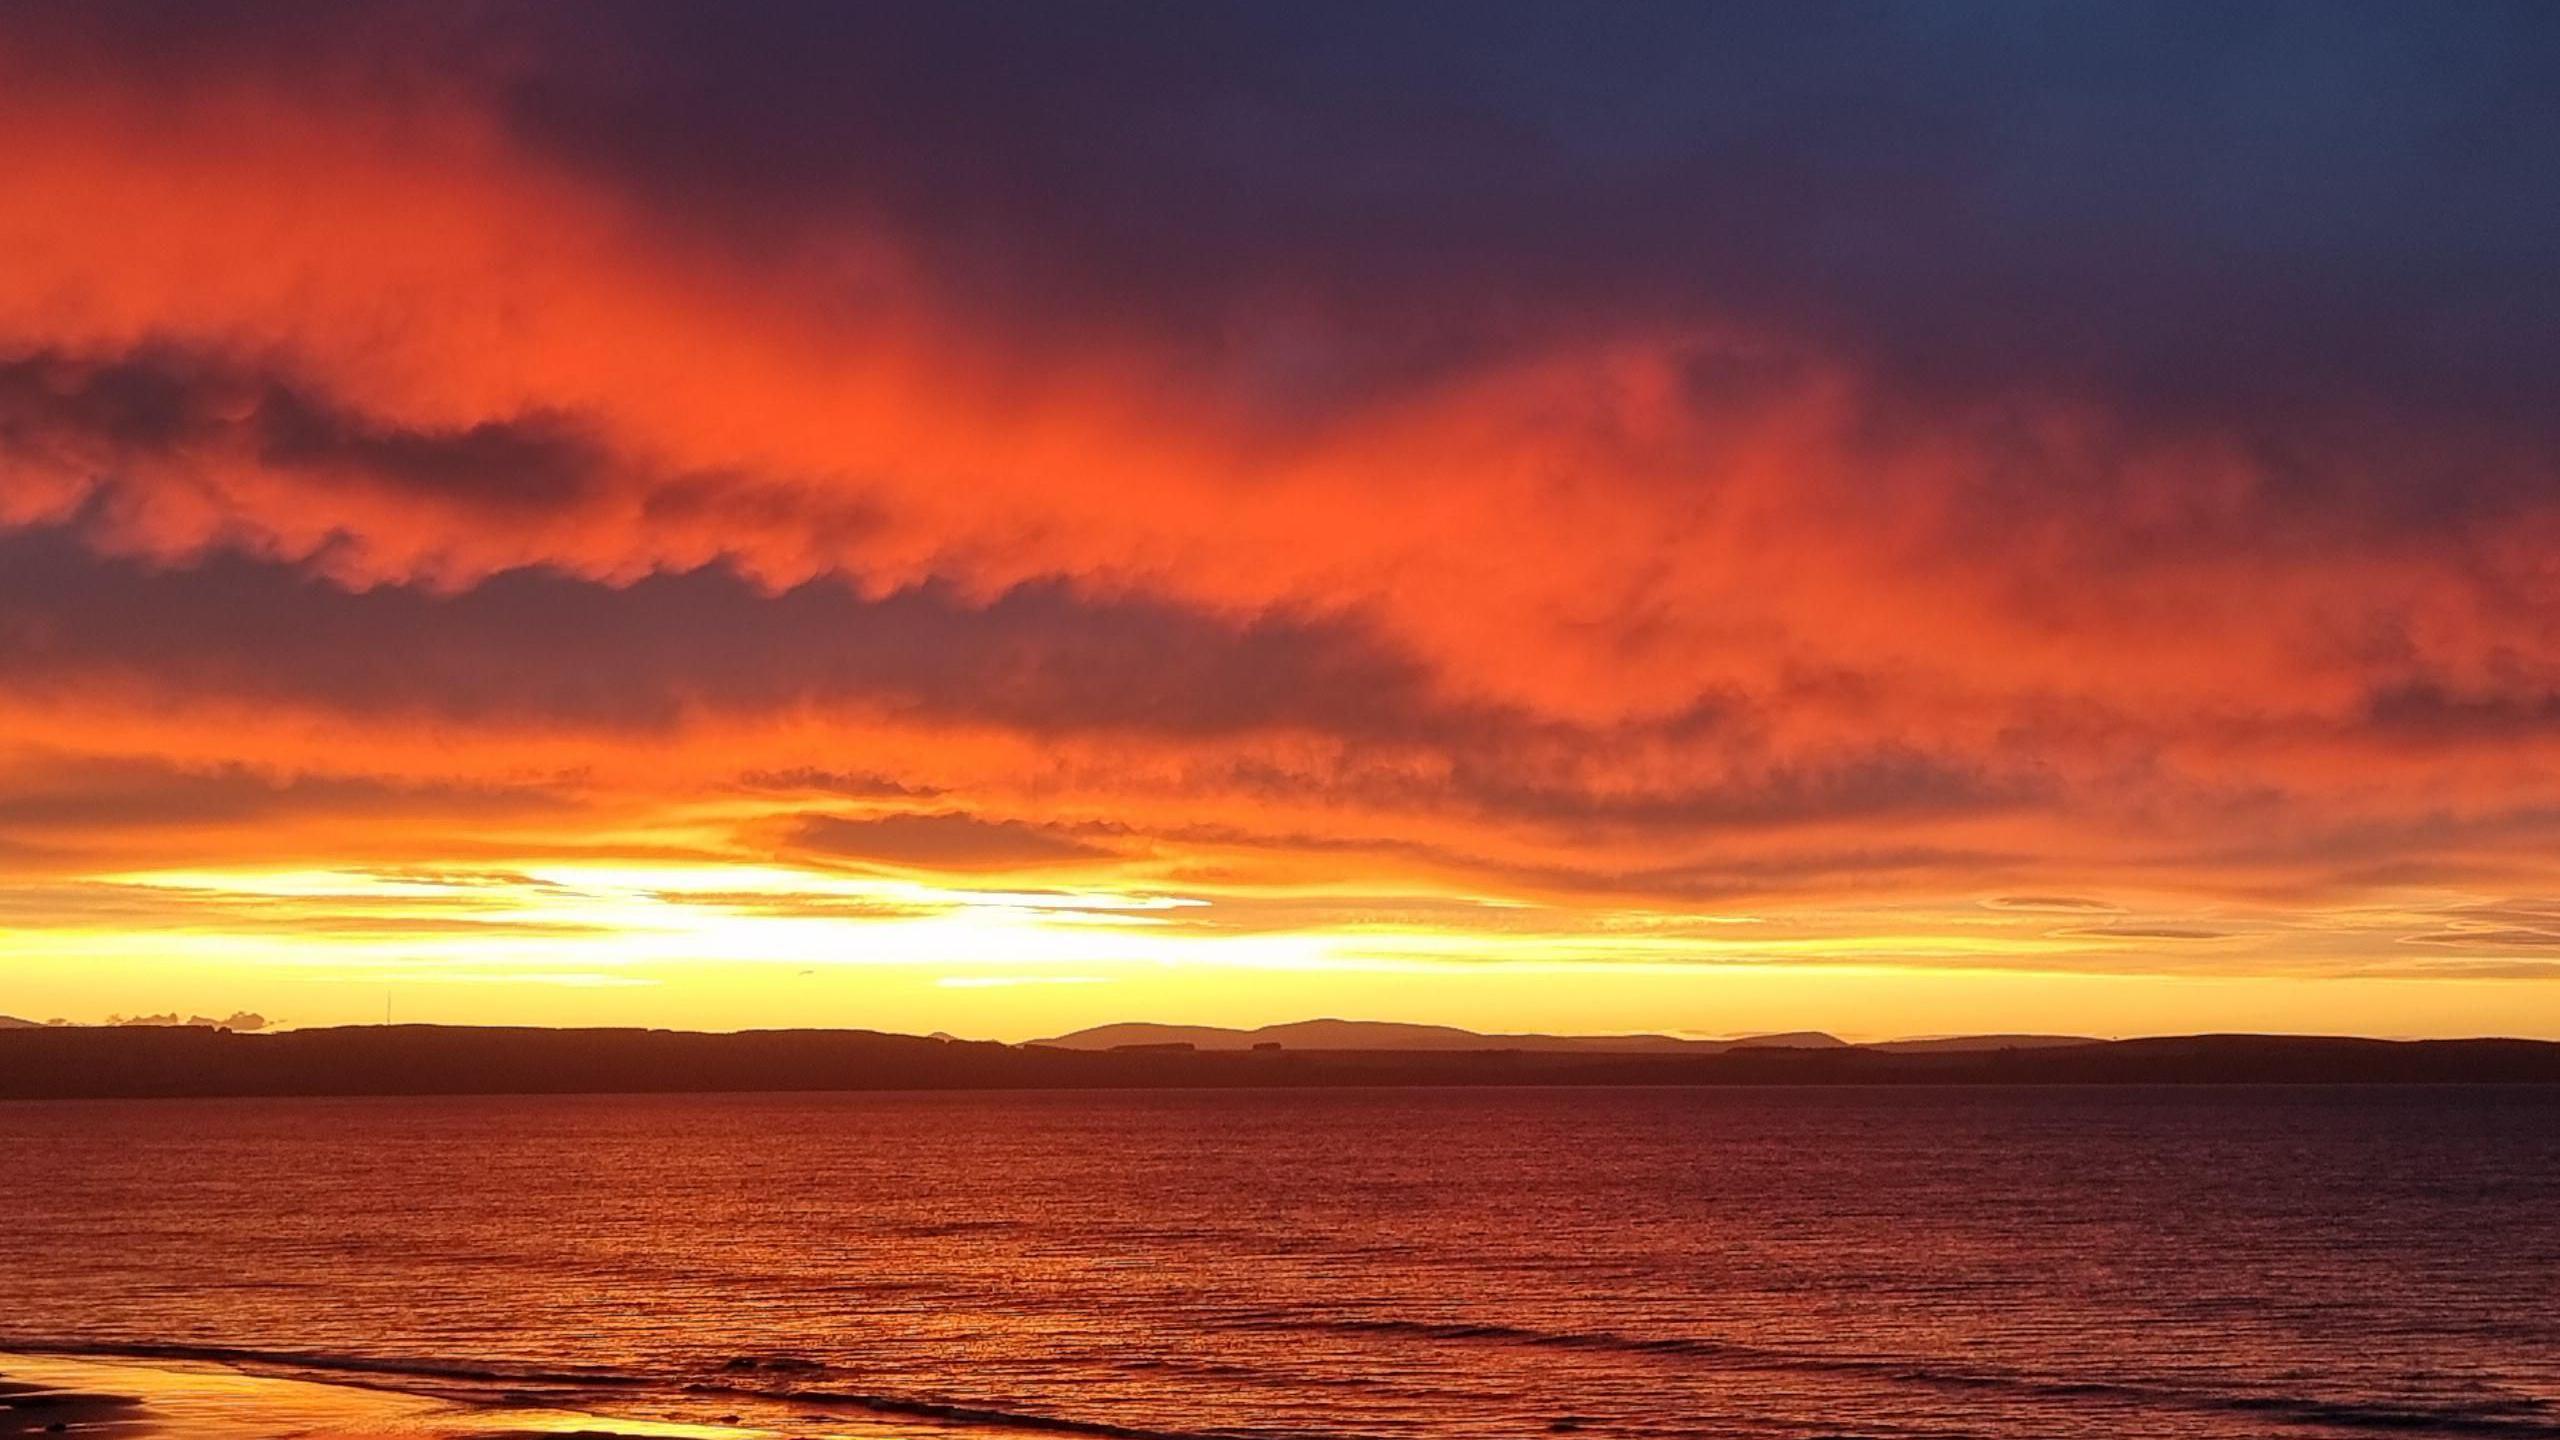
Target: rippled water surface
1788,1263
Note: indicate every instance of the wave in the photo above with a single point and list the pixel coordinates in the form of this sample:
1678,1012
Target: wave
1028,1420
795,1380
2525,1418
385,1370
354,1366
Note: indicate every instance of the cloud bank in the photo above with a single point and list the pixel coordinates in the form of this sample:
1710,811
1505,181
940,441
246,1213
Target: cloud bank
1813,461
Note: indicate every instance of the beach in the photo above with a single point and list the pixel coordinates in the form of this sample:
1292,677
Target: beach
32,1407
209,1400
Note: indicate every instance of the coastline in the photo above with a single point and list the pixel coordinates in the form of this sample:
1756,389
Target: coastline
104,1395
37,1407
176,1062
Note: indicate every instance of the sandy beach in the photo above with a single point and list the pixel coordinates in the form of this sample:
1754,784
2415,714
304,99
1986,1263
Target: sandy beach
65,1395
36,1409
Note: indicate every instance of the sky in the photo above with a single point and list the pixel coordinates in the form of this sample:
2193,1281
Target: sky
1002,517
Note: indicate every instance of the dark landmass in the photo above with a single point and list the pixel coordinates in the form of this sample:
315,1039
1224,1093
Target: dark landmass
1944,1044
455,1060
1389,1035
12,1022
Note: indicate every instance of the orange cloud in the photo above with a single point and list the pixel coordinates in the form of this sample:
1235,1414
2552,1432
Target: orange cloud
397,469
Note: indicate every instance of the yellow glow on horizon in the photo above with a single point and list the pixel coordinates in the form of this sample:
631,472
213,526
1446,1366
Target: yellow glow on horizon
748,945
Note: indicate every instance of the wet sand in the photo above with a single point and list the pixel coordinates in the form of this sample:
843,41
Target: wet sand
181,1400
35,1409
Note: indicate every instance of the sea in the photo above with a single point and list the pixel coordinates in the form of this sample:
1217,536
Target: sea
2196,1263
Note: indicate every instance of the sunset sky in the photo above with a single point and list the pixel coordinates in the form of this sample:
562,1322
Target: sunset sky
998,518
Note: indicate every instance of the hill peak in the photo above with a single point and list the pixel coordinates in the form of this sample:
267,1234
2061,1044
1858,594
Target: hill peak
1335,1034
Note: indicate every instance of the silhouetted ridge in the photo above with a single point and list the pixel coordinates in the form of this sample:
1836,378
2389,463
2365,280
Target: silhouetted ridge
1952,1043
1330,1035
455,1060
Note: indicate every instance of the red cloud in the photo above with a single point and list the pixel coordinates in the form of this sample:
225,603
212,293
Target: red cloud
367,409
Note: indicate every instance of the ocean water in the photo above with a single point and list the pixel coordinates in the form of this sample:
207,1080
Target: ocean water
1624,1263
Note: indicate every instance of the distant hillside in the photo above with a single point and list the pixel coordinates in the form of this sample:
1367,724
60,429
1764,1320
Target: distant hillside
1957,1044
1364,1035
1782,1040
102,1061
12,1022
1339,1035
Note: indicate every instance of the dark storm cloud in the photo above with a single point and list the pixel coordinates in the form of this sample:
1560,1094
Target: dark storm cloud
540,647
84,795
2426,711
2241,211
2250,212
166,405
1882,782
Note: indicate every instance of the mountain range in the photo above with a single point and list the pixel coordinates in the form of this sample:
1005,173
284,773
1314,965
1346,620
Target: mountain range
1359,1035
96,1061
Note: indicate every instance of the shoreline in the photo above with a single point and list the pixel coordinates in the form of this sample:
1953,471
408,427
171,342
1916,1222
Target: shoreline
104,1395
134,1393
34,1407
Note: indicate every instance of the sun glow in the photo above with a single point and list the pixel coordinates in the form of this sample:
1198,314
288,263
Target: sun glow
754,944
